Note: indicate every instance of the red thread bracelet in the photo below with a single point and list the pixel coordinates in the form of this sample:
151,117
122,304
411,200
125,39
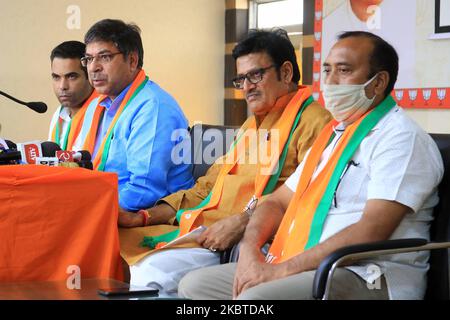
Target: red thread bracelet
145,216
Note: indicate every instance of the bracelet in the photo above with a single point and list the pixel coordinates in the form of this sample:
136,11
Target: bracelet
145,216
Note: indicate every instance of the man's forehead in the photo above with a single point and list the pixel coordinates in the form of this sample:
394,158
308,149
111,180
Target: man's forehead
100,46
352,50
66,65
252,61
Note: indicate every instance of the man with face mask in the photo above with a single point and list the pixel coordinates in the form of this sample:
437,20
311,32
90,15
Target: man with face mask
371,175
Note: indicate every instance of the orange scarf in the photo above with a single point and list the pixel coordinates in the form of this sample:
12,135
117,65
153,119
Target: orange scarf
74,126
303,221
192,218
89,143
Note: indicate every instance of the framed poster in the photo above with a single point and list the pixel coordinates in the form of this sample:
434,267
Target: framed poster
424,68
442,16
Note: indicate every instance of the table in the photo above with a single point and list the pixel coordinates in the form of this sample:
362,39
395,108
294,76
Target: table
55,221
57,290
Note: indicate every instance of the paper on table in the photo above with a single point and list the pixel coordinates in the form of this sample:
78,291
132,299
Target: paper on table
188,237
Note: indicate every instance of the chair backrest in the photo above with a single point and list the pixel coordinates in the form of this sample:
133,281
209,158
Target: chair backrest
208,142
438,275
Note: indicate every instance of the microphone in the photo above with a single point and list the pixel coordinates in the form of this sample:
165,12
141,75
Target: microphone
7,144
56,157
49,148
70,156
54,162
47,161
28,152
3,144
9,156
11,145
44,154
39,107
82,155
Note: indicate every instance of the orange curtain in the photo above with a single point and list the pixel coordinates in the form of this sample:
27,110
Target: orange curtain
52,218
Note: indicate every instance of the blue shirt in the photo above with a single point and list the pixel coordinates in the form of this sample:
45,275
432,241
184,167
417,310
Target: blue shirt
111,108
141,146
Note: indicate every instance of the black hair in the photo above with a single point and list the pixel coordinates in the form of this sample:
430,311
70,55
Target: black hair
126,37
382,58
275,43
70,50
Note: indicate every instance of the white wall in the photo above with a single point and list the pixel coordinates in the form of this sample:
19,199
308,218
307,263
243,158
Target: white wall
432,55
431,64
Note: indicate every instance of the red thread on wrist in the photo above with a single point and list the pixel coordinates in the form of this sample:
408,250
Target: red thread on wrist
145,216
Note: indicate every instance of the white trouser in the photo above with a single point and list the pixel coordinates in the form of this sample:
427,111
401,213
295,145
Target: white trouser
164,270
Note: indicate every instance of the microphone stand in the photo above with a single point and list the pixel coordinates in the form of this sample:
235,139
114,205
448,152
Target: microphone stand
39,107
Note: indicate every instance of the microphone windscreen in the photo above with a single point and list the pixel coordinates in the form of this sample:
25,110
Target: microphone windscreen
11,144
49,148
7,156
85,155
86,165
39,107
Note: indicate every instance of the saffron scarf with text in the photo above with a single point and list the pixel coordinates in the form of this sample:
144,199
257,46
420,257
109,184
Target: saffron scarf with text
302,224
266,176
75,124
102,154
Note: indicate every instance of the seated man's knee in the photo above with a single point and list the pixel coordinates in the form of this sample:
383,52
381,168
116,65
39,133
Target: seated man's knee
250,294
190,284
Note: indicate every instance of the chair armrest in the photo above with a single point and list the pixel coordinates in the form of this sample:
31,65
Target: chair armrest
326,268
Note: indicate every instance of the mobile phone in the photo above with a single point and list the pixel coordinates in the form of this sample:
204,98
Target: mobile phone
127,291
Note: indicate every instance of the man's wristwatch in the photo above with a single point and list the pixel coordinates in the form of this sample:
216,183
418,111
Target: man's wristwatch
251,205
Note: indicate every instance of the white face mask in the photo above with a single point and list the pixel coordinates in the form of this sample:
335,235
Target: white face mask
347,102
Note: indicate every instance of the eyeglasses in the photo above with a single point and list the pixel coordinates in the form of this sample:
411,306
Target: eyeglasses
254,77
102,58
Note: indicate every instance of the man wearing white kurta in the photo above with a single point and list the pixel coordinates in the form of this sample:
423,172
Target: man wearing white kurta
386,166
387,190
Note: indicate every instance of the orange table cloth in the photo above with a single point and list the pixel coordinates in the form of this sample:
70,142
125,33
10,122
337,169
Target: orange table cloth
53,218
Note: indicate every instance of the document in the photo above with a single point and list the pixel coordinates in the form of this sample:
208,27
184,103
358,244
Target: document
187,238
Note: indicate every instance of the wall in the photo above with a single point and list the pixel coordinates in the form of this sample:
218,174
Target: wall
183,44
433,73
429,58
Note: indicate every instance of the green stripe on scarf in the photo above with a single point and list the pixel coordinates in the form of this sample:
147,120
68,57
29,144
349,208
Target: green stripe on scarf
63,143
366,125
272,183
101,166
